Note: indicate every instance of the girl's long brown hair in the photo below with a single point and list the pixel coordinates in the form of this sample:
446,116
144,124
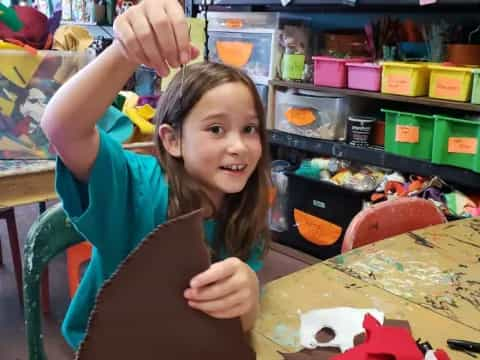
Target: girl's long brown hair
242,219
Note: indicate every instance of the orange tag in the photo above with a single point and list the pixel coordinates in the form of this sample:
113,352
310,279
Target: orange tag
407,134
299,116
448,87
234,23
462,145
398,84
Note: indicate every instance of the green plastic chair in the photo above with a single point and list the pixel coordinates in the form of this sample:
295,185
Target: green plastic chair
51,234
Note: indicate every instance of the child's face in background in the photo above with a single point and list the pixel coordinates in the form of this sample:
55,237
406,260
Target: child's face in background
220,140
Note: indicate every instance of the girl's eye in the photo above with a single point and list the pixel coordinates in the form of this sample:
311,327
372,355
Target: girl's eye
251,129
217,130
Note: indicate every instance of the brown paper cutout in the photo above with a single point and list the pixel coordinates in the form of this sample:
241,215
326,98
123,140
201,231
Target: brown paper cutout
141,313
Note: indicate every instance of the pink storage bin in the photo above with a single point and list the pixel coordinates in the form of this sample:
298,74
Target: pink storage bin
330,71
364,76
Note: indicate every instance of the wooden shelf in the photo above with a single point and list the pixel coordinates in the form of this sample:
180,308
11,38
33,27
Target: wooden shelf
345,3
380,96
451,174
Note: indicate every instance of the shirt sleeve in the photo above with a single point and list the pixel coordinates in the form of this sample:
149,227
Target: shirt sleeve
255,260
101,207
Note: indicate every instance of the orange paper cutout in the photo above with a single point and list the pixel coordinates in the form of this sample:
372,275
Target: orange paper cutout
316,230
234,53
407,134
399,84
462,145
300,116
448,87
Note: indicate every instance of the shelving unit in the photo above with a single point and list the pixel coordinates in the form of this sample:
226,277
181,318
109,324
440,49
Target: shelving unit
376,95
372,156
454,175
294,5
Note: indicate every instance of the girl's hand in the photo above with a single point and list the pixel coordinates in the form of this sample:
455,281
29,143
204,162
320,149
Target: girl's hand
228,289
155,33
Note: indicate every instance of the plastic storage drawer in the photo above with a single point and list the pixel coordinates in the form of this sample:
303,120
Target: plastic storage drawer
252,50
322,116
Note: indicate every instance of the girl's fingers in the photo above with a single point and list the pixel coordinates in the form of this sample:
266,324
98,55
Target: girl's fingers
233,312
211,292
194,52
126,37
163,33
155,34
180,31
220,305
216,272
145,38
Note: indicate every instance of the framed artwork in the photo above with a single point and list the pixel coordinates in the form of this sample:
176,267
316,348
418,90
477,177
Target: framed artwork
27,82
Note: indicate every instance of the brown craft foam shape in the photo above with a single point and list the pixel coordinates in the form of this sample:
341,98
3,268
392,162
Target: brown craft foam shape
141,313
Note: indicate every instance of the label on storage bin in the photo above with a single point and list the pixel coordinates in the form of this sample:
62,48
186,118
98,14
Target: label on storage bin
448,87
234,23
462,145
398,83
407,134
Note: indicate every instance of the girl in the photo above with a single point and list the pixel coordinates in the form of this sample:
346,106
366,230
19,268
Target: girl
211,154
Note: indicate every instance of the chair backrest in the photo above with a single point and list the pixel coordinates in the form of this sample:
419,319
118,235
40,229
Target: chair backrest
390,218
49,236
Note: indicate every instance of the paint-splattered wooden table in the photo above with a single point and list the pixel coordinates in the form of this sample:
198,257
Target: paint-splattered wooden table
26,181
29,181
437,289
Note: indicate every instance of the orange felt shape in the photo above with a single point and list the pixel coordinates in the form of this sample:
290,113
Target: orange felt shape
316,230
299,116
234,53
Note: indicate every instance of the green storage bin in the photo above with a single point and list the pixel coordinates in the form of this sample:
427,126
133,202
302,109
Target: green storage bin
457,143
476,87
293,66
409,134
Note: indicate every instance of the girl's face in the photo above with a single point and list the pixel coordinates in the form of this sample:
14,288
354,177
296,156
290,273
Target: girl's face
220,143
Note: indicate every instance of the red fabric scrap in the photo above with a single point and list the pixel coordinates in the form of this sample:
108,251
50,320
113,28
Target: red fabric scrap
383,343
441,354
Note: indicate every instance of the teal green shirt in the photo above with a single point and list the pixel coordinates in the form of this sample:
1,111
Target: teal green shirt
125,198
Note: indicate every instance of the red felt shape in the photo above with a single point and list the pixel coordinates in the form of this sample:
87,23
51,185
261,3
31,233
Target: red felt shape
383,343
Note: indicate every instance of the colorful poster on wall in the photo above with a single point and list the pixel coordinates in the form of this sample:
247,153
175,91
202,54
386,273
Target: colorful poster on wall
27,82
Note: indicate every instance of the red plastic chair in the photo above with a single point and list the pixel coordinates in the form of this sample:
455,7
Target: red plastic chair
76,256
390,218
